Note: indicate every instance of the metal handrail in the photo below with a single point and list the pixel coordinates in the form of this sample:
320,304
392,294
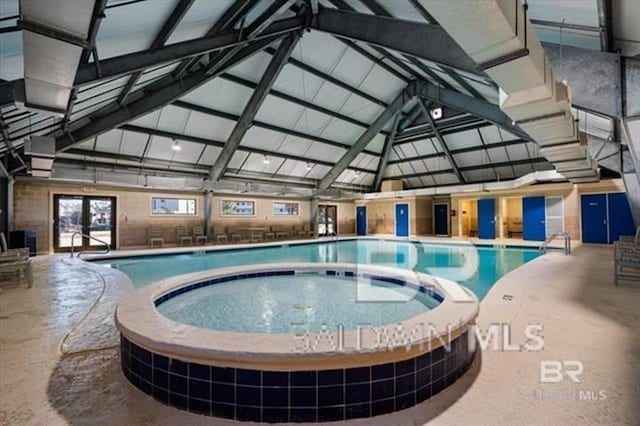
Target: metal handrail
567,242
105,251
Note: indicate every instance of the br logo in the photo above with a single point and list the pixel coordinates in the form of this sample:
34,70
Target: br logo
556,371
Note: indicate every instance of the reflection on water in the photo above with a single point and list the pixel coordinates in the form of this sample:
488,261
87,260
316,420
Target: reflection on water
476,267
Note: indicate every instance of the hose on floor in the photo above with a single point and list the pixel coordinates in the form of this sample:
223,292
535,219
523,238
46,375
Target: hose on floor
85,316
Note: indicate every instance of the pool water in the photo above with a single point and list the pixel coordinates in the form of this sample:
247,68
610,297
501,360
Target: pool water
477,268
267,305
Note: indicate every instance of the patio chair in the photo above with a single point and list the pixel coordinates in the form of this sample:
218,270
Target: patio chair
198,234
269,234
281,232
17,261
220,235
297,233
256,236
183,236
155,237
234,235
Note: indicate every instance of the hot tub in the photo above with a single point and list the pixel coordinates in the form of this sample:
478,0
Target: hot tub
279,343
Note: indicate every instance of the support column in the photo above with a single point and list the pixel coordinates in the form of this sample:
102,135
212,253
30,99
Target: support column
208,206
313,215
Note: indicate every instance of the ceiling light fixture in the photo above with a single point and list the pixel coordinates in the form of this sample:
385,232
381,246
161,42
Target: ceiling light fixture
176,146
266,160
309,166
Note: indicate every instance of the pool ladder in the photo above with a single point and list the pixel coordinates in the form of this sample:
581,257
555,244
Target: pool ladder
567,242
106,250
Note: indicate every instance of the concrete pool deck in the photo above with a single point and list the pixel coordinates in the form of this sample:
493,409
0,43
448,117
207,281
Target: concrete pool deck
585,318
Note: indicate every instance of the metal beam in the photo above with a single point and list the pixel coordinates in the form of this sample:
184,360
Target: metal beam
375,7
425,69
98,15
275,9
565,25
314,6
161,38
297,101
423,12
443,143
409,119
362,142
463,82
379,61
471,168
386,151
251,109
465,103
336,81
137,61
476,148
425,41
272,127
153,100
220,144
228,20
605,22
473,124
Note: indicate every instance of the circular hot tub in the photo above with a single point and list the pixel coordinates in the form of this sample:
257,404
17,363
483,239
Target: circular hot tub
297,342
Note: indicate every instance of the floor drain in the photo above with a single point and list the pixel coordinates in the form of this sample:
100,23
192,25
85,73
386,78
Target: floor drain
507,297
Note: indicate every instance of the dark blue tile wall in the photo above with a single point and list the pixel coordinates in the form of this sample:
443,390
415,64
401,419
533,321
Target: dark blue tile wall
297,396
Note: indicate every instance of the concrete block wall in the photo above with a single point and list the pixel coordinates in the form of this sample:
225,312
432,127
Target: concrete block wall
569,192
423,215
381,215
33,209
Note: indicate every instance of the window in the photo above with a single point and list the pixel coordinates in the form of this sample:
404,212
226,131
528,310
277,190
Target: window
173,206
286,209
238,208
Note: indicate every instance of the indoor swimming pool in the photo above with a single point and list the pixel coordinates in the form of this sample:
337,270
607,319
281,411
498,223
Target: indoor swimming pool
476,267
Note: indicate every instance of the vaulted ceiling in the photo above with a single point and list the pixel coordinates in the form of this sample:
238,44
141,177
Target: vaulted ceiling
329,93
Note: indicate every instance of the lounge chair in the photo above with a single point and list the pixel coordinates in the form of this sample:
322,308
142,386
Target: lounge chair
183,237
17,261
4,247
155,237
198,234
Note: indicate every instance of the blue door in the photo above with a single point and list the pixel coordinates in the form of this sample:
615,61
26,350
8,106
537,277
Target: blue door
487,219
594,218
620,218
533,219
441,213
402,220
361,220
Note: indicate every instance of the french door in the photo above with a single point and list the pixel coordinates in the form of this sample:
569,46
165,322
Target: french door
87,216
327,220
